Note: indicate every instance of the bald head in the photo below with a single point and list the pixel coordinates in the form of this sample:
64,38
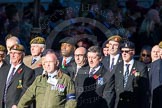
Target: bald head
51,62
155,53
80,56
81,49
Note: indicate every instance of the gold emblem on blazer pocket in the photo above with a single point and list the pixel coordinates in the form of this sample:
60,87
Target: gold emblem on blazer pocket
19,84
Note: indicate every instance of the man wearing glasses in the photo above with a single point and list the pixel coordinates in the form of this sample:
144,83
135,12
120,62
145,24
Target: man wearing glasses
14,78
79,69
131,80
111,60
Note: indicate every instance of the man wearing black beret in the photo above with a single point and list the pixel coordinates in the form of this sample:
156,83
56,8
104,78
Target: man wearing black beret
130,80
67,53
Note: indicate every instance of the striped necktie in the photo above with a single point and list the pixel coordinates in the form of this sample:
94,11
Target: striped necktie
91,72
33,61
126,75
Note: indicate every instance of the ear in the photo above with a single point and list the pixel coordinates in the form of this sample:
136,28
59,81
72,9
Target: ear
100,59
57,63
133,52
42,49
74,48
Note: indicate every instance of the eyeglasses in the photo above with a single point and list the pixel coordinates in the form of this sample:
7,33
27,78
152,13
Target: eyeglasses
145,55
126,51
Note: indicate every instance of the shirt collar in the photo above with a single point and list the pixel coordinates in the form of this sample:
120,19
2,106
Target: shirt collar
37,58
52,75
68,59
16,67
130,62
115,58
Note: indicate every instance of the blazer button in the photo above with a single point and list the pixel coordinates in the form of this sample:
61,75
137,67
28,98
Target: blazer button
121,99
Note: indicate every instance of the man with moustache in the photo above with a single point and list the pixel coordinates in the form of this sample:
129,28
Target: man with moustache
95,81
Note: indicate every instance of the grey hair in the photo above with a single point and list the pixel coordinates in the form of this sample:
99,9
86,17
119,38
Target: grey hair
96,49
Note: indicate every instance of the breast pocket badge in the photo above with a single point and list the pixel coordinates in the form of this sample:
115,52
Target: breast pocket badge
100,81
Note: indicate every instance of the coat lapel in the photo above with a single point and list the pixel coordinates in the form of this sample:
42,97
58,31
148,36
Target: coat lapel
131,76
121,75
17,73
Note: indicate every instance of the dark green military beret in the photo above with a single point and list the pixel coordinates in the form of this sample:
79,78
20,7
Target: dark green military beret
38,40
160,44
17,47
2,48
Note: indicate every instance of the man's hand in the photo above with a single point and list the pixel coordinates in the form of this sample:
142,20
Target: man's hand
14,106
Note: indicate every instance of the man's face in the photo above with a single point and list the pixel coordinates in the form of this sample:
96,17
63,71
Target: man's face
145,56
9,43
106,51
16,56
66,49
127,54
2,55
155,53
93,59
80,56
36,49
50,63
113,47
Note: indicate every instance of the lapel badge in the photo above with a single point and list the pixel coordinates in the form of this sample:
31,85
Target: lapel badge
100,81
19,84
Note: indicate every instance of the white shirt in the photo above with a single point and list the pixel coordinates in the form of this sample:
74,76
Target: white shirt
67,60
115,59
36,58
95,68
130,66
52,75
11,68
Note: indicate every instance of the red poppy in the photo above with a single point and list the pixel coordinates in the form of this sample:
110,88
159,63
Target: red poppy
95,76
19,71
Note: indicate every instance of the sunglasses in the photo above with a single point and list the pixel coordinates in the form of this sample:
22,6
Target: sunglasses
145,55
126,51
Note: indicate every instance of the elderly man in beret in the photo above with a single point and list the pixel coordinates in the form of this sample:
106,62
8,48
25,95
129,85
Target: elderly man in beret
130,80
14,78
2,55
114,56
37,47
